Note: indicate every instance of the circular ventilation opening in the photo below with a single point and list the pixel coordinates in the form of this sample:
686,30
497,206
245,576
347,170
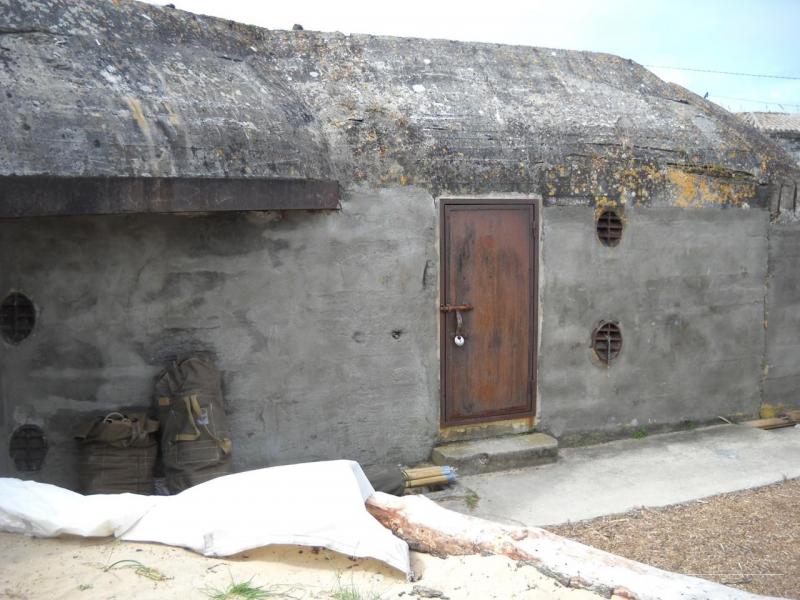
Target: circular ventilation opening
28,448
17,317
607,341
609,227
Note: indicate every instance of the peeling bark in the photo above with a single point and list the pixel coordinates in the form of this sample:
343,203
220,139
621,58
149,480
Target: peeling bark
428,527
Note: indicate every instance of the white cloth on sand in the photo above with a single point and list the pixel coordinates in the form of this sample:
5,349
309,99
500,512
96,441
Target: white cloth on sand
310,504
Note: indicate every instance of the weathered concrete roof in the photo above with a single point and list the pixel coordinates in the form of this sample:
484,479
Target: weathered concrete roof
92,87
772,121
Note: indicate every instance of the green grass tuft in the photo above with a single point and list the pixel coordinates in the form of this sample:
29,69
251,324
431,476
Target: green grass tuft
246,590
351,592
140,569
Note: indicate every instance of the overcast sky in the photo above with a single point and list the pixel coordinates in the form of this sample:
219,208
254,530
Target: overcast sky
745,36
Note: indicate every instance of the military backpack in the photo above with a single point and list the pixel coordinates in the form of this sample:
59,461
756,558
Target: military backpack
195,440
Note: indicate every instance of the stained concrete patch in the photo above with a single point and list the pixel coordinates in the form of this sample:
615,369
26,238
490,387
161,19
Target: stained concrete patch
618,476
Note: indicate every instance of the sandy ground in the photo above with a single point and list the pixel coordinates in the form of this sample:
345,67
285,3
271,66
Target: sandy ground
748,539
77,568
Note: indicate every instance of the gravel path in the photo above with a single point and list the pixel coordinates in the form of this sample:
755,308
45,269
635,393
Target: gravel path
748,539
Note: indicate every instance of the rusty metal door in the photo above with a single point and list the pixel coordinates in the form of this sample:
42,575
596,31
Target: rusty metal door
488,324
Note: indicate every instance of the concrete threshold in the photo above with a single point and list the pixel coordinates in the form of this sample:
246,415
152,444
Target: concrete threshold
618,476
480,431
494,454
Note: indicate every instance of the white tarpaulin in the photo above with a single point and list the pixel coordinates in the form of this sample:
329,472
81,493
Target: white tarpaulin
310,504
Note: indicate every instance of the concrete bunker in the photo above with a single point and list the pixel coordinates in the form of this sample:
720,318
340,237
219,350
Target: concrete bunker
275,198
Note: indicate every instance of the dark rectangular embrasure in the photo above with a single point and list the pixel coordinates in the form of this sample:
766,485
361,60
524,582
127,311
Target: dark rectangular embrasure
39,196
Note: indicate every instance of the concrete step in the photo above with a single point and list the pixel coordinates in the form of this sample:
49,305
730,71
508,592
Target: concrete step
497,454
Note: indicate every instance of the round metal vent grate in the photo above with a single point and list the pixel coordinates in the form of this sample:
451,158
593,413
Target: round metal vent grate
17,317
28,447
609,227
607,341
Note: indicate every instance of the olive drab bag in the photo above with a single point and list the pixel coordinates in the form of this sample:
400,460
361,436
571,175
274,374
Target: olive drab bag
195,443
389,479
117,454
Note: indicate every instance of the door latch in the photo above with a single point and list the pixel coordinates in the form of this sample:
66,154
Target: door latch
455,307
458,340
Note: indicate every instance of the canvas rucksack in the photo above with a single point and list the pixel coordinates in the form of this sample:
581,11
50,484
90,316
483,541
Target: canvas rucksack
195,442
117,454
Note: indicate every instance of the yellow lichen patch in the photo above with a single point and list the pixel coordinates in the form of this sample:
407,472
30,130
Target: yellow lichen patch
637,180
394,175
173,117
630,180
687,188
138,116
769,411
602,203
695,190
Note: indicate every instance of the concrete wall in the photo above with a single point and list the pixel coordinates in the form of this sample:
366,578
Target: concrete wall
324,325
781,384
782,377
687,287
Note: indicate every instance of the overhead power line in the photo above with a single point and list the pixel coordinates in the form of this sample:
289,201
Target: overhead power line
792,77
772,102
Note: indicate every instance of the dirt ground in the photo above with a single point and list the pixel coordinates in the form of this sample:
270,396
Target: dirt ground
748,539
108,569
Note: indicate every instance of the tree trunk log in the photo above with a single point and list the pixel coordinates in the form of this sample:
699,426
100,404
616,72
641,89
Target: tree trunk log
430,528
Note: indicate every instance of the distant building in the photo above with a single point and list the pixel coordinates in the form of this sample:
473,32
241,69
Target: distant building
782,127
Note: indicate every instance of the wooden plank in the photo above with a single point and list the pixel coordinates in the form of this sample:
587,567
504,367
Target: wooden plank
794,415
426,481
420,472
36,196
773,423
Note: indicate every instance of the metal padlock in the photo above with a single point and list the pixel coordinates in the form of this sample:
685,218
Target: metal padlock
459,339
